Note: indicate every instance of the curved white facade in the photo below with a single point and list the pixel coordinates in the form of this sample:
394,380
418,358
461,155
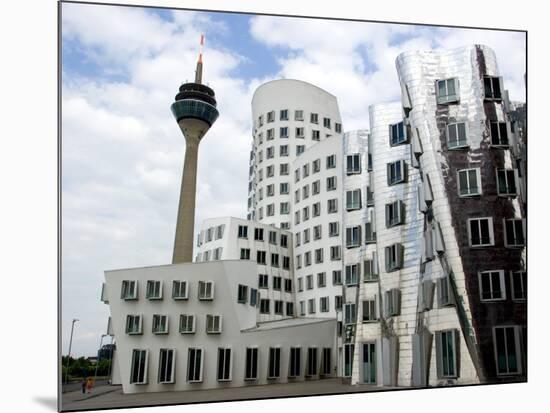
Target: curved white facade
311,116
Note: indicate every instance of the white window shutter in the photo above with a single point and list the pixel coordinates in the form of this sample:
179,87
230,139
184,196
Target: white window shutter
421,202
428,196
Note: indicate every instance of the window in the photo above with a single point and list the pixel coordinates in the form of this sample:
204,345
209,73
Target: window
317,231
283,188
499,134
469,182
348,359
297,176
283,151
515,232
271,116
445,296
138,373
278,307
338,302
318,255
316,187
309,282
338,127
264,306
352,274
316,212
242,293
270,170
350,313
331,183
129,290
294,362
321,279
326,367
506,182
332,206
299,115
302,308
446,350
300,149
326,122
251,366
315,135
324,304
274,370
133,324
456,135
179,290
307,258
519,285
314,118
316,165
447,91
337,277
160,324
370,197
331,161
305,192
224,364
333,229
245,253
270,134
154,290
335,253
213,324
481,232
353,164
300,132
398,133
283,114
289,308
297,217
260,120
283,132
492,87
370,271
187,324
392,302
167,359
397,172
298,261
194,365
284,240
507,350
353,237
394,257
311,306
369,311
311,368
300,284
253,297
491,286
270,210
394,213
283,168
353,199
306,235
206,290
277,281
288,284
275,260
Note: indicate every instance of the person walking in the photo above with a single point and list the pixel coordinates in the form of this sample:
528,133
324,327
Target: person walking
83,385
89,384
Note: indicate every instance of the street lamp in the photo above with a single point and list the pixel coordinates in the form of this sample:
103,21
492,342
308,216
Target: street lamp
69,355
99,355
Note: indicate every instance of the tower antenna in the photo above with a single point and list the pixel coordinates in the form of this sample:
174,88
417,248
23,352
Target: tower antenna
198,72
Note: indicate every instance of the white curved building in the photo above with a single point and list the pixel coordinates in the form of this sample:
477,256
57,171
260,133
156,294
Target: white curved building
289,116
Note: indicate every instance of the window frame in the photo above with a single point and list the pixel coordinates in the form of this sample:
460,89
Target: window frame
200,371
179,296
460,144
447,98
501,278
145,378
172,366
226,370
469,188
193,323
491,233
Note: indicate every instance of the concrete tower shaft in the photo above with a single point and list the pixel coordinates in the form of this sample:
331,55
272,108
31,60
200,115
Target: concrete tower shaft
195,111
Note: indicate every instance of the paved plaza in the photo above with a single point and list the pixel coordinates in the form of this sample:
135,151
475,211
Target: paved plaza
111,396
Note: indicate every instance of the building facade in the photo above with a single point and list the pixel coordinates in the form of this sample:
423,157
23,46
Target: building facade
391,256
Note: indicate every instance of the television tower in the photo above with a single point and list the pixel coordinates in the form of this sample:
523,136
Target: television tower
195,111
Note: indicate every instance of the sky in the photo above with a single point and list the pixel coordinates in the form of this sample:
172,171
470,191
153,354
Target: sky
122,152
